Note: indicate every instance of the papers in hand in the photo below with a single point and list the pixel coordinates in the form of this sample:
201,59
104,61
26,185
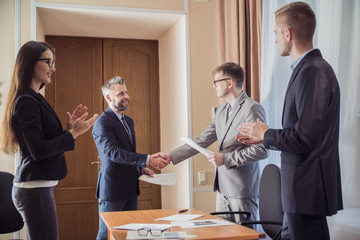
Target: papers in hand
180,217
160,179
194,145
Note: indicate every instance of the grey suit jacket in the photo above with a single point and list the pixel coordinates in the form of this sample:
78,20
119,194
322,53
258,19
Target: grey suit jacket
239,176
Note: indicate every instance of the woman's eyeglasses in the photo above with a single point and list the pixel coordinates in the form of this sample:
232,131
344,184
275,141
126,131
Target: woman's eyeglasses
50,63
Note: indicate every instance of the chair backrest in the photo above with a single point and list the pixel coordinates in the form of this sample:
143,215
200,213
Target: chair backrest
10,218
270,205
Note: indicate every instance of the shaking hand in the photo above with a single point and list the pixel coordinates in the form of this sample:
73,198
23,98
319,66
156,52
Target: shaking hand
159,160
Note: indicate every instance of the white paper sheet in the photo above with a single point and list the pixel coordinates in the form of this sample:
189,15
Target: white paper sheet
180,217
160,179
194,145
136,226
164,235
202,223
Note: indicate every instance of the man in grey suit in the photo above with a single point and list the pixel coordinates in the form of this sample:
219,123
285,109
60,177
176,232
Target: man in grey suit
310,167
237,167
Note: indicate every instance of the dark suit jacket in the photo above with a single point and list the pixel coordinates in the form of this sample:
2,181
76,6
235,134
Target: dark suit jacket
41,138
118,175
310,168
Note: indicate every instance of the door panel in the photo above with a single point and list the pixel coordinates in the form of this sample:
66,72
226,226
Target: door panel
82,66
78,79
137,62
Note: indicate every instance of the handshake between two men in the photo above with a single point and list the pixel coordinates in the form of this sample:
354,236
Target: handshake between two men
159,160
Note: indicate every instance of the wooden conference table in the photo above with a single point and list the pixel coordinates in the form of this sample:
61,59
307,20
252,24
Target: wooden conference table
236,231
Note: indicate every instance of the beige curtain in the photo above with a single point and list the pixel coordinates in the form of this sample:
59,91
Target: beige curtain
240,39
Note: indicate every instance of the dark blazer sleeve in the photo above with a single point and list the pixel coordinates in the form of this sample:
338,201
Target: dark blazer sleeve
305,109
113,144
310,167
40,132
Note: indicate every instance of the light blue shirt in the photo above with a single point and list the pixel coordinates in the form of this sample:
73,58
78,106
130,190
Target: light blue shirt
296,62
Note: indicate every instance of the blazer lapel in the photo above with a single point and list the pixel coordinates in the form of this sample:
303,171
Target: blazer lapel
45,104
236,108
120,125
310,55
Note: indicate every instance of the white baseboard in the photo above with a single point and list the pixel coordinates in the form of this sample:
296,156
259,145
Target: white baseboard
345,225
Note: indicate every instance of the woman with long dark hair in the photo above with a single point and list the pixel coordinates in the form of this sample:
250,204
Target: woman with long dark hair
31,126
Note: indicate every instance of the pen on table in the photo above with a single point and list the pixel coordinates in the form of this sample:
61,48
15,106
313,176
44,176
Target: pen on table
204,222
182,210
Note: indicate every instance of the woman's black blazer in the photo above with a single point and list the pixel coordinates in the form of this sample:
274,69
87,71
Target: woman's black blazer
42,140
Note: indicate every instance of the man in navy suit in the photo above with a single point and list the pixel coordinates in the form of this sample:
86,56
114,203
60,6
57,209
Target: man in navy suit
121,166
310,167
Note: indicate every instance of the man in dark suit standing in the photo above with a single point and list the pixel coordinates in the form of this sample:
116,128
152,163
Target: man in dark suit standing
310,167
114,135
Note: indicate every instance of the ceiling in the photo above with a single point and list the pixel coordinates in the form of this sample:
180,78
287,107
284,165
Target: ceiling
107,23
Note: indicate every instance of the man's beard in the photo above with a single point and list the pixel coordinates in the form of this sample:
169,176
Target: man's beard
121,107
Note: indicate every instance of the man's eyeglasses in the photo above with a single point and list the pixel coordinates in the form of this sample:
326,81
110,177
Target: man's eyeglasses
50,63
223,79
154,232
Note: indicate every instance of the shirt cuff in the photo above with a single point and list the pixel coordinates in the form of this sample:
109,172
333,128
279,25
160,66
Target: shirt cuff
147,160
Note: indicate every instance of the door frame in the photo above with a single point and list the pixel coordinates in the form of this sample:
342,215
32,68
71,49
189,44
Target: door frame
37,32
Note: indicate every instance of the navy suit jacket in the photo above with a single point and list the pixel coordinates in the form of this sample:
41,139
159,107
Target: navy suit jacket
120,164
310,168
42,140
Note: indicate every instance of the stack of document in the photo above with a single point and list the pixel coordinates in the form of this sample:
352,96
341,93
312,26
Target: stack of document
180,217
202,223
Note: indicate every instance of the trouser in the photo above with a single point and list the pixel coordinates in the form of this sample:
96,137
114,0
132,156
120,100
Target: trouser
38,210
110,206
224,203
304,227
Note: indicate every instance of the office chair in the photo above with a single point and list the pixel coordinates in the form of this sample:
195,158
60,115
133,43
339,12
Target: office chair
10,218
270,205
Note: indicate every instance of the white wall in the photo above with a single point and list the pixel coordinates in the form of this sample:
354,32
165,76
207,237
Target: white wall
174,110
204,59
7,48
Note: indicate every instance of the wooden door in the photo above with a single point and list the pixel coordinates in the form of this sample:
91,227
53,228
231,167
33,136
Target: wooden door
82,66
137,62
78,79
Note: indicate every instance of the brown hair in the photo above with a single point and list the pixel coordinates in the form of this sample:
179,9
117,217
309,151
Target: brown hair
232,70
23,73
300,18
